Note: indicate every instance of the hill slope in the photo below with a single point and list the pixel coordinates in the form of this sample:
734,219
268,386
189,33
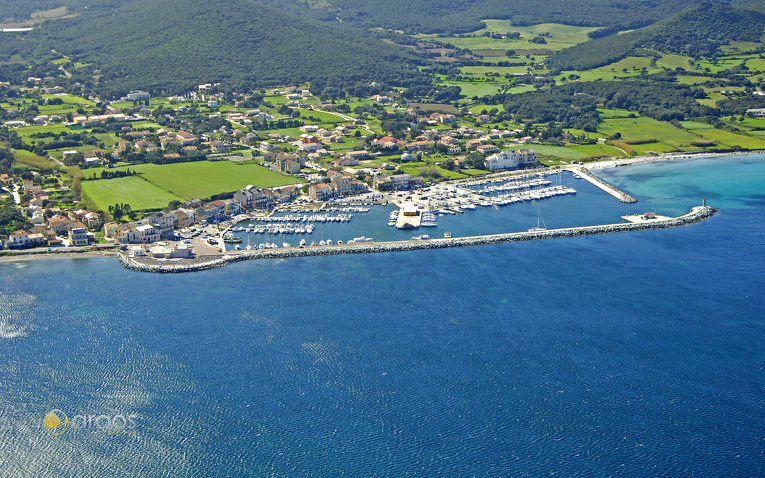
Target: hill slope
172,45
698,32
450,16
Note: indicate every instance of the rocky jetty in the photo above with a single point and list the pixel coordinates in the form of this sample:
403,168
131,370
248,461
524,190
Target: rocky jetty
697,214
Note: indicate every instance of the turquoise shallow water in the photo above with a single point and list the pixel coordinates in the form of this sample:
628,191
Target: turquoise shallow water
636,354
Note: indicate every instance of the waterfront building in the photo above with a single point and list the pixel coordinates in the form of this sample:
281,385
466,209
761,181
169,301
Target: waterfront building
138,234
398,182
181,219
214,211
182,251
92,220
320,192
346,186
511,159
162,222
23,239
78,236
253,198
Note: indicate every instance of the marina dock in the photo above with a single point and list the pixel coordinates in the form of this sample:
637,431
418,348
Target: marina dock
409,217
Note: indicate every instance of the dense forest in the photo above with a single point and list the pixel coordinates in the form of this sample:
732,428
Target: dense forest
455,16
168,47
20,10
171,46
574,105
698,32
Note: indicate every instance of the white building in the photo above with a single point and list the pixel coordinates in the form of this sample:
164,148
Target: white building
182,250
511,159
143,234
22,239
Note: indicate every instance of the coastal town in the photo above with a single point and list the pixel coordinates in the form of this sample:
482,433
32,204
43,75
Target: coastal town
440,238
328,157
103,176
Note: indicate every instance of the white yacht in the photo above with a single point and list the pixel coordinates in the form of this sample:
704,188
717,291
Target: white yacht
428,220
540,224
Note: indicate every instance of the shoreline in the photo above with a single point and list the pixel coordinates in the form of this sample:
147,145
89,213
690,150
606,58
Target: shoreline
618,162
610,163
20,255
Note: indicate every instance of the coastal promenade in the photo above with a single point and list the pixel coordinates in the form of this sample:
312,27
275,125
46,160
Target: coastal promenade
145,264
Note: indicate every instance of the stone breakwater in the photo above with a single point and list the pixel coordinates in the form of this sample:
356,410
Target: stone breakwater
697,214
588,176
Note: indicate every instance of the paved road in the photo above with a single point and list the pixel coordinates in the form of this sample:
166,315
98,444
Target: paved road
16,195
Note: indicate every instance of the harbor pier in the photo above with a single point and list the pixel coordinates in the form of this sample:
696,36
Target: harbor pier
145,264
596,181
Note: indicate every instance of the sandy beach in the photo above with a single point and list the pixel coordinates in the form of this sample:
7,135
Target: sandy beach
19,256
616,162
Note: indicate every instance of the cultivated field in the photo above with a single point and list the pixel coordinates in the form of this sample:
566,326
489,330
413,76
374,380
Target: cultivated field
641,129
133,190
156,185
557,37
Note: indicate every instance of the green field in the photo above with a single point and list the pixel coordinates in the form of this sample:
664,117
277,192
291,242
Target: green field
693,80
322,116
651,148
597,150
672,61
477,108
758,123
416,168
695,125
614,113
70,99
756,64
31,160
560,37
627,67
150,125
477,88
26,133
730,139
501,70
515,90
133,190
158,184
642,128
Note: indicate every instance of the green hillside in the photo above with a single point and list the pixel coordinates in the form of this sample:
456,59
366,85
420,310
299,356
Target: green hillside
171,46
449,16
698,32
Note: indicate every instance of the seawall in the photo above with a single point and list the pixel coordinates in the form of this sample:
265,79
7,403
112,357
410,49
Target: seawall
697,214
591,178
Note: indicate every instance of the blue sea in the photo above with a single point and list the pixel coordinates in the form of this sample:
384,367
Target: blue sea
635,354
